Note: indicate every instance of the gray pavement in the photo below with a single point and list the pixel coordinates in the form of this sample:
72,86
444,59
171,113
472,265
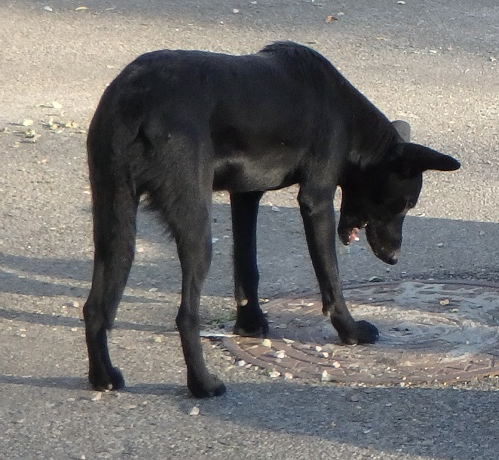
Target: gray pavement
433,63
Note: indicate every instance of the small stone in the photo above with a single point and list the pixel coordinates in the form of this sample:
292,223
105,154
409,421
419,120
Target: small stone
275,208
274,374
288,341
288,376
157,339
27,122
74,329
355,397
235,11
318,348
194,411
325,377
375,279
241,363
97,396
279,354
267,343
336,364
55,105
324,354
440,245
444,302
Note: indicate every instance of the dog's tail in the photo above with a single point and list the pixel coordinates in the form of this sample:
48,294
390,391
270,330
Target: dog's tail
115,203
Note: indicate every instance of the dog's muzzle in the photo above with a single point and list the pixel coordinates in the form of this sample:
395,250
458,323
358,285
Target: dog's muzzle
385,242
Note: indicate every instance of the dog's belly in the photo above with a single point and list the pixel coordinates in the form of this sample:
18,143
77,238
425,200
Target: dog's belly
244,175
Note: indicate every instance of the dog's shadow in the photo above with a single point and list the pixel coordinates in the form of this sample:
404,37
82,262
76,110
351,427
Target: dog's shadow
377,419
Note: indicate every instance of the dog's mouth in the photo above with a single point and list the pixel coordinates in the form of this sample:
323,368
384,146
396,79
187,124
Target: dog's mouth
350,235
353,235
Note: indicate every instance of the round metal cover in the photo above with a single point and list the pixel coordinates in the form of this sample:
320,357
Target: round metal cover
429,332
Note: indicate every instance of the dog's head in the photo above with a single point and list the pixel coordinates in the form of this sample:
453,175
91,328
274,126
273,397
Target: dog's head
377,198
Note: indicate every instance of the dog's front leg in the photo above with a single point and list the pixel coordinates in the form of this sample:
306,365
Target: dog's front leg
318,218
250,318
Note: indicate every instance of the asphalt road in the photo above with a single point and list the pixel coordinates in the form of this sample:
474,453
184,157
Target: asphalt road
432,63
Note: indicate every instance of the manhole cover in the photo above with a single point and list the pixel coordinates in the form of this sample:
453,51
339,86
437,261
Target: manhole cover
429,332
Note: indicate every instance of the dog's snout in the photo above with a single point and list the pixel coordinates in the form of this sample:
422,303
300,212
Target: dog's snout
390,257
392,260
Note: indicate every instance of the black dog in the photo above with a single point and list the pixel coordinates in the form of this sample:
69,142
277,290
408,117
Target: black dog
176,125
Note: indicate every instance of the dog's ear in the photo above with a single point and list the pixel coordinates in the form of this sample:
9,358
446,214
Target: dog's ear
415,158
403,129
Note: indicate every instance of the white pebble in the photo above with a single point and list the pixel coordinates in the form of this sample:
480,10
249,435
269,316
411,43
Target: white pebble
194,411
267,343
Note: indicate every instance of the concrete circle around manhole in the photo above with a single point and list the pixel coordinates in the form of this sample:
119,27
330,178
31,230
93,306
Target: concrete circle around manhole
429,332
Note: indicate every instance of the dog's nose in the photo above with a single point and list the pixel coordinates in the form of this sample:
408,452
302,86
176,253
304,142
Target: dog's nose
393,257
392,260
389,257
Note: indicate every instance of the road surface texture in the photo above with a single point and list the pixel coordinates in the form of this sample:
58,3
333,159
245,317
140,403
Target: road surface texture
432,63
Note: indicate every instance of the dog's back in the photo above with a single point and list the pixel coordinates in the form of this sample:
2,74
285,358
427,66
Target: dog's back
267,108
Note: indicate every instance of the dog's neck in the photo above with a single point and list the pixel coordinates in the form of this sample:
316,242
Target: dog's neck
370,134
374,139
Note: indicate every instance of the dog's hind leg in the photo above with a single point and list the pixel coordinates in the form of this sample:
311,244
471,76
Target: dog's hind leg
184,201
192,232
114,209
319,223
250,318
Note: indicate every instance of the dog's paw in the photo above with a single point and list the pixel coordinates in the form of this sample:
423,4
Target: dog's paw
356,333
206,388
107,381
260,330
366,332
254,326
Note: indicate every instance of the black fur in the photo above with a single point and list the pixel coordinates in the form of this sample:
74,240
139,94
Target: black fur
177,124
